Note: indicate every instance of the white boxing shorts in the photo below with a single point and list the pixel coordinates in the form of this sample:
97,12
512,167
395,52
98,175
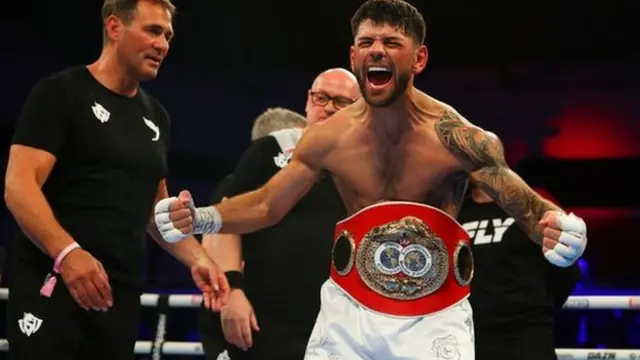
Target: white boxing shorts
345,330
398,290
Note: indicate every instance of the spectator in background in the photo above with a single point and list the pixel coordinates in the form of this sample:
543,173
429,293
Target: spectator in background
276,297
270,121
275,119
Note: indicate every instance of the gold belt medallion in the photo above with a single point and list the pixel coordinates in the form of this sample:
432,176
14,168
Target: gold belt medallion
403,259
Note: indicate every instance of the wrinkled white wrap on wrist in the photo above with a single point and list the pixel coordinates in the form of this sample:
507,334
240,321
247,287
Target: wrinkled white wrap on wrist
207,220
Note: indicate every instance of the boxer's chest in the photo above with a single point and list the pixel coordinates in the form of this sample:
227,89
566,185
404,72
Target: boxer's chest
416,168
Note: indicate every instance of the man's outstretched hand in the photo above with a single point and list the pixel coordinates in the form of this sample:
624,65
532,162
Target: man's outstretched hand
210,279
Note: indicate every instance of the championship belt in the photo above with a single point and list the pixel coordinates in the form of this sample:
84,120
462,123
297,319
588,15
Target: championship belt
402,258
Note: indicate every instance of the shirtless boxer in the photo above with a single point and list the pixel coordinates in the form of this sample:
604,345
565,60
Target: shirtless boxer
401,264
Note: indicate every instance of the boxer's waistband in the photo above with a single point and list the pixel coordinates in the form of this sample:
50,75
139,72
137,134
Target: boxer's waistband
402,258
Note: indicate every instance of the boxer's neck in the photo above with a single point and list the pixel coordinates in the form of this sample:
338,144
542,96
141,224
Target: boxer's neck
112,74
397,118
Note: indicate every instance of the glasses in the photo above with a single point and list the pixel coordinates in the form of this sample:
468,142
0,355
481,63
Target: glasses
320,98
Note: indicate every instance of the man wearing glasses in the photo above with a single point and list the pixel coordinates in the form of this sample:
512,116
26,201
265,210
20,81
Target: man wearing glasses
331,91
275,296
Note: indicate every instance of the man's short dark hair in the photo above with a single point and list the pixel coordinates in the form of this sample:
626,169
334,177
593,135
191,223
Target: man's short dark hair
125,11
397,13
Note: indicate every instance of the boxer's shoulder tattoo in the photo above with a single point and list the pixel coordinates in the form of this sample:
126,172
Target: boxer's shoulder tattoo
485,153
467,142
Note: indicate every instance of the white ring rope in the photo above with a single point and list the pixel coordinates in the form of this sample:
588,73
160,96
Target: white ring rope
574,302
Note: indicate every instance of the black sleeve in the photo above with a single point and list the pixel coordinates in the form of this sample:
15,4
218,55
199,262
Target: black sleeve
562,282
221,189
45,116
256,167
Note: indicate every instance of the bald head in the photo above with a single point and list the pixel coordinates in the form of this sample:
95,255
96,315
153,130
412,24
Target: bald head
335,74
332,90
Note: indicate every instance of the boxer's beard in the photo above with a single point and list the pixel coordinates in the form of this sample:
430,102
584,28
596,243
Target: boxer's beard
400,82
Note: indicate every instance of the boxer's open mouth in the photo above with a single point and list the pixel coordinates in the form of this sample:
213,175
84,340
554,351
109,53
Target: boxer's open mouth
379,75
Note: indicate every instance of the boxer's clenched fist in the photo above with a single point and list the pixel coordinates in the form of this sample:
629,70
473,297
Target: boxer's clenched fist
565,238
174,217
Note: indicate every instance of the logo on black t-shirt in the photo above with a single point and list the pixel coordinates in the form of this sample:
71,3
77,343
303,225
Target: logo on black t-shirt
100,112
153,127
282,159
477,230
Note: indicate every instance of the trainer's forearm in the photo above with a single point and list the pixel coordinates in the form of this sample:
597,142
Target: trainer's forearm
240,214
225,250
30,209
187,251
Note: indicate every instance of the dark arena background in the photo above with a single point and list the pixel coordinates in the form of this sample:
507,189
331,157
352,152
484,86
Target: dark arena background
558,81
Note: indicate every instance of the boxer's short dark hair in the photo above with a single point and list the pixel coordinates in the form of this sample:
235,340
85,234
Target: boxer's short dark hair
397,13
125,10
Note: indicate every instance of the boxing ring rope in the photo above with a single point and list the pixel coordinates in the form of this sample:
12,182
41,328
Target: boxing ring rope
159,346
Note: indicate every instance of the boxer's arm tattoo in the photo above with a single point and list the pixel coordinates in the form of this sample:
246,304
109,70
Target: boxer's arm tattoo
515,197
467,142
485,154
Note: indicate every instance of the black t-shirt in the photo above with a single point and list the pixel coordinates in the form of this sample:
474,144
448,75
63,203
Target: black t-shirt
286,264
513,282
223,187
111,154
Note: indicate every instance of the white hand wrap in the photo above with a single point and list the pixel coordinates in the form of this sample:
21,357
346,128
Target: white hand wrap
207,220
164,224
572,241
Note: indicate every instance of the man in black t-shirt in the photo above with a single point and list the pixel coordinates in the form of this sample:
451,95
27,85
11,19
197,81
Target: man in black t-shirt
515,290
275,297
87,164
